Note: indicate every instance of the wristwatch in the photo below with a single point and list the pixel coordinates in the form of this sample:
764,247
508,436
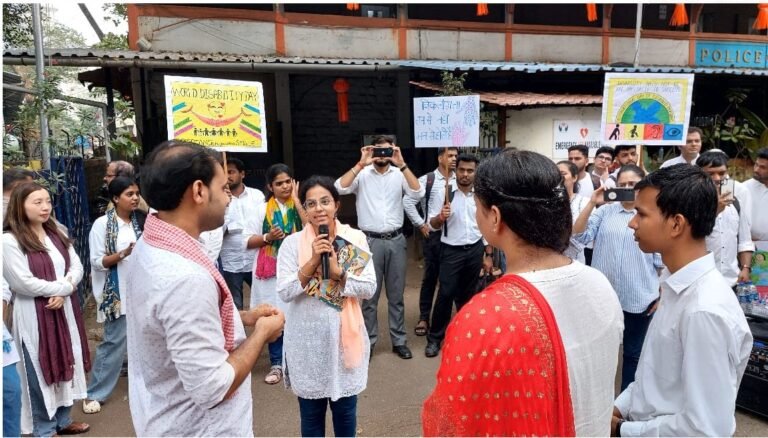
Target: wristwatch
121,254
747,267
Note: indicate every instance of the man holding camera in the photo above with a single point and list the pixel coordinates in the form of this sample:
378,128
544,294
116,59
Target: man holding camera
379,181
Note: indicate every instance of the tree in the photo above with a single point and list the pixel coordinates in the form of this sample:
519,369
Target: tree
17,31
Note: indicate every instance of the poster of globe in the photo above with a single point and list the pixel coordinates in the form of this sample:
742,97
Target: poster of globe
646,108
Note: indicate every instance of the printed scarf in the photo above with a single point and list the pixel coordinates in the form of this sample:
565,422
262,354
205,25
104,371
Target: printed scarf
110,304
266,263
163,235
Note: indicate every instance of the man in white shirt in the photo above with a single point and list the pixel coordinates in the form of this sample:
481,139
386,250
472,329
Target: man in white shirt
730,241
236,258
624,154
434,193
603,159
689,153
758,189
190,360
579,155
461,251
698,343
379,180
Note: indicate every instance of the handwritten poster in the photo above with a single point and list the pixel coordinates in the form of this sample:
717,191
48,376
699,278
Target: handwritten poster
446,121
649,109
567,133
225,115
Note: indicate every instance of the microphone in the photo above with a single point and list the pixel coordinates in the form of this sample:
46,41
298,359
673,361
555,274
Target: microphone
323,229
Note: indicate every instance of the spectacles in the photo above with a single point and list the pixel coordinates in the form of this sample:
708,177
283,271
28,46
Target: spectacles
603,157
324,203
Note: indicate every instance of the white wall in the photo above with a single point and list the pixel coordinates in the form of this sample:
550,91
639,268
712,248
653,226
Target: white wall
208,36
532,129
557,48
652,51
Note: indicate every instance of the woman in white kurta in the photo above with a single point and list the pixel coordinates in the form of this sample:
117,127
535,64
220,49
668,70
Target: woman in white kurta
326,349
569,171
110,243
29,231
280,216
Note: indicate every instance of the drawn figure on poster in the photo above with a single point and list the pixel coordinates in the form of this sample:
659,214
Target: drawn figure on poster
633,132
615,133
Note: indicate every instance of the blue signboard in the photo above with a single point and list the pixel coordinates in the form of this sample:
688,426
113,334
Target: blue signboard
731,54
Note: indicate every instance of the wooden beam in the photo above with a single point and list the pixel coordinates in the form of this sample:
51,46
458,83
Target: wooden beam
607,12
133,26
693,30
280,49
402,31
509,20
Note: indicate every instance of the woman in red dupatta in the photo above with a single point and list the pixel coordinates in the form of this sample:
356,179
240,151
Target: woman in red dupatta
503,369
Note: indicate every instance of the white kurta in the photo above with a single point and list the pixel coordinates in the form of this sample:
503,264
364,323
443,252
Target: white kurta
263,290
97,244
312,353
178,372
25,330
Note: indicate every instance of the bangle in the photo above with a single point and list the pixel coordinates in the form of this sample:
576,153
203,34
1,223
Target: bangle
354,171
301,273
264,238
489,254
747,267
404,168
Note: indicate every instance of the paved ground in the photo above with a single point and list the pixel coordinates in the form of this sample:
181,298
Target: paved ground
390,406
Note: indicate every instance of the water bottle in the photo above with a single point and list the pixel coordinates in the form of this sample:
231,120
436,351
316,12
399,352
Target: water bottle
754,300
747,286
741,294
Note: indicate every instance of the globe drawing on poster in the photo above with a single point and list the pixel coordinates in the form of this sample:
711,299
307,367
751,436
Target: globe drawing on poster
648,109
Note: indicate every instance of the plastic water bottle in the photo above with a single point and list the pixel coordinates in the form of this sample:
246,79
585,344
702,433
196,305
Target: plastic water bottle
757,307
750,297
741,296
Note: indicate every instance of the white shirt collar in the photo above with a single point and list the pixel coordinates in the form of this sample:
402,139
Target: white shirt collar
439,175
390,169
688,275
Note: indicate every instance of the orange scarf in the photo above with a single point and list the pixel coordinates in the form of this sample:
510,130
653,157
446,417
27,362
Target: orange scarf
503,370
351,312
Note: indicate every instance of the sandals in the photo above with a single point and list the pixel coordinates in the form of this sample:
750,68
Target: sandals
75,429
421,328
275,375
91,406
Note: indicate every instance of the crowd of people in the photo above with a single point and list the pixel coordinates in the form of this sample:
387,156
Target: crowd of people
650,271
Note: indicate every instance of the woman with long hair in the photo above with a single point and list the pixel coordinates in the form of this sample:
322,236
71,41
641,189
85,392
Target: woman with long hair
517,359
326,343
111,242
43,270
570,173
279,217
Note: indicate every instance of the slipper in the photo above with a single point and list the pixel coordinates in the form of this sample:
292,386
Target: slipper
91,406
275,375
75,429
421,328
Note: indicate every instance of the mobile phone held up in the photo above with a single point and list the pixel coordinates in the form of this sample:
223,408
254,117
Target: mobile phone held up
727,186
382,152
619,195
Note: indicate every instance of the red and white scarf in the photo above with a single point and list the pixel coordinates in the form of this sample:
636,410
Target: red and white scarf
162,235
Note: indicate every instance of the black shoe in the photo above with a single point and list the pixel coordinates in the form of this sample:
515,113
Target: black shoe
403,351
432,350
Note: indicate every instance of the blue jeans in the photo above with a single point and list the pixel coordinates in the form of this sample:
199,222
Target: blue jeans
635,327
11,401
109,360
276,352
235,282
343,412
42,425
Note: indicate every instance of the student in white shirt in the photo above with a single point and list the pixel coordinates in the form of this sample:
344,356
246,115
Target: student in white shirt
379,184
603,159
689,153
579,155
758,189
190,359
699,342
730,241
236,258
432,203
624,154
462,251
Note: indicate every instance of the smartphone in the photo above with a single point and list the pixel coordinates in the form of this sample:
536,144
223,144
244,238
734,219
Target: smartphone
383,152
619,194
727,186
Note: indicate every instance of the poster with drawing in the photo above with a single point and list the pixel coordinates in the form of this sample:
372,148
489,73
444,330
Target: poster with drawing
225,115
446,121
760,267
646,108
567,133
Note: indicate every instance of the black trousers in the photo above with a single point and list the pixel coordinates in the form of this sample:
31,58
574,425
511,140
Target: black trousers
431,272
588,256
459,272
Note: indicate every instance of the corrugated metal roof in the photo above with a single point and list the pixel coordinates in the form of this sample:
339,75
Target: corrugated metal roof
516,99
175,56
555,67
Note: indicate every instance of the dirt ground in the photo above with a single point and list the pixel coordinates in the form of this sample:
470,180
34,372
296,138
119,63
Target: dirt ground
390,406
